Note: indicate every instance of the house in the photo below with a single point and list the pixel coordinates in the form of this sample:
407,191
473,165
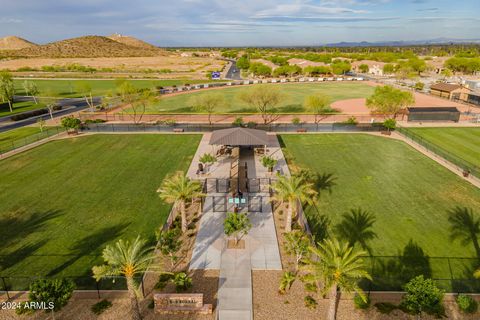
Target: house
449,91
374,67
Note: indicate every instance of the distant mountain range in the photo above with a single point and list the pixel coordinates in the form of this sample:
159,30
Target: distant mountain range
403,43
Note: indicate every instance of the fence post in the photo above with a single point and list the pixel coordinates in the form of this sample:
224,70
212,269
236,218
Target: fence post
5,287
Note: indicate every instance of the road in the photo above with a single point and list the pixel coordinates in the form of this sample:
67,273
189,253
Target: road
78,103
233,75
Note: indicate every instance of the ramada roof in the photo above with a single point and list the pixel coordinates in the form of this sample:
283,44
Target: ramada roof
445,87
239,137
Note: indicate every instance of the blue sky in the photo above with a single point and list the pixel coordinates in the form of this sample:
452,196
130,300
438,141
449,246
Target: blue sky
242,22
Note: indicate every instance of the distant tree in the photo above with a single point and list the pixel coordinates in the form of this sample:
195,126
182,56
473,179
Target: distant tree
318,104
41,124
389,101
127,259
243,62
446,73
388,68
390,124
208,103
316,71
30,89
340,67
142,99
236,225
264,98
7,89
364,68
85,89
49,100
419,86
259,69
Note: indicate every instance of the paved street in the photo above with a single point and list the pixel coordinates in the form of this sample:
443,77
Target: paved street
231,74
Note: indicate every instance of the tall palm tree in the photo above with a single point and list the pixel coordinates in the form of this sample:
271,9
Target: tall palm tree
292,190
356,226
178,189
465,226
338,266
126,259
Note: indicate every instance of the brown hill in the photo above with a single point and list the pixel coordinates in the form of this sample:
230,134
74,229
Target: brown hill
131,41
88,46
15,43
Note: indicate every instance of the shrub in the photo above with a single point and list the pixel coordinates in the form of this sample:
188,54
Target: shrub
238,122
71,123
26,115
269,163
56,291
251,124
422,295
310,287
286,282
296,121
169,243
360,303
419,86
208,158
100,307
163,280
95,121
385,307
310,303
182,281
351,120
390,124
466,303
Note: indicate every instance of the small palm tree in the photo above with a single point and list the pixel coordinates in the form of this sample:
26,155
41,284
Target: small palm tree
356,226
178,189
292,190
126,259
338,266
465,226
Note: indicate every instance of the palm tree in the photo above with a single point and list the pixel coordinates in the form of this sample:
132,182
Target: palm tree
464,225
178,189
356,226
292,190
126,259
338,266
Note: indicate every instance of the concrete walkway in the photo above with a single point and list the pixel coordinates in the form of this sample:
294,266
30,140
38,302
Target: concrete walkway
261,250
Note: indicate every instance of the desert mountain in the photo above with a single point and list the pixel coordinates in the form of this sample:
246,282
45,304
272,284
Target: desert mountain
88,46
15,43
131,41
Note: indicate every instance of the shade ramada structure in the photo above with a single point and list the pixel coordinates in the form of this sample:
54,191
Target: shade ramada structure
239,137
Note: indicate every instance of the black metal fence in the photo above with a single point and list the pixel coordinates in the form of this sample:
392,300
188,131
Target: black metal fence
12,144
224,185
453,274
227,203
460,163
9,284
197,127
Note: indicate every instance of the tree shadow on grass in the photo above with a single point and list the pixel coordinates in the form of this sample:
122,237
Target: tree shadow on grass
356,227
17,256
321,181
465,226
319,225
462,272
17,226
391,273
90,245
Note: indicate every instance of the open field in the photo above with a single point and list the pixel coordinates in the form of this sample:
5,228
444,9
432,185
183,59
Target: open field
409,195
462,142
64,201
71,88
294,96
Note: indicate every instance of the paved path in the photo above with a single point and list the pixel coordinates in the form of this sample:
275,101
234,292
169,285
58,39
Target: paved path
261,247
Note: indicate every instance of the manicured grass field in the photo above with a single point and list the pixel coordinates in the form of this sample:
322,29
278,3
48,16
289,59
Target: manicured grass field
70,88
19,107
408,193
294,96
462,142
62,202
13,137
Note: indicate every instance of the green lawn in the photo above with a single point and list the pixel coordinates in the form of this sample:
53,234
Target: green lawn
294,96
462,142
20,136
19,107
70,88
62,202
408,193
